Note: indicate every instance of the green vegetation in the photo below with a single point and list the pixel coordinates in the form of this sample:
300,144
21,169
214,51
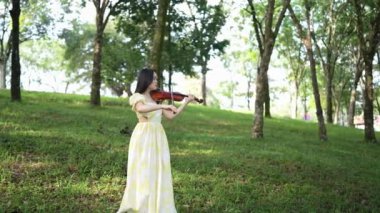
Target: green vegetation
59,154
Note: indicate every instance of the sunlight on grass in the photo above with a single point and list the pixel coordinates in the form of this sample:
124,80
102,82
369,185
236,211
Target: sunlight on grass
9,126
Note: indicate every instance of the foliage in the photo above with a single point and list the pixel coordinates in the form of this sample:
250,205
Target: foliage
179,51
136,21
208,21
228,90
37,19
50,54
79,50
120,62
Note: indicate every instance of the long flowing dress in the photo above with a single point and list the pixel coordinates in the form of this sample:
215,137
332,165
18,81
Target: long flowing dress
149,186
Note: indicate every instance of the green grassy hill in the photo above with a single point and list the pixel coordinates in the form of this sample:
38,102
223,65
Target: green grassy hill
58,154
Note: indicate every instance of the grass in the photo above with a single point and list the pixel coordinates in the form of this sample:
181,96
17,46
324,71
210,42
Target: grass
59,154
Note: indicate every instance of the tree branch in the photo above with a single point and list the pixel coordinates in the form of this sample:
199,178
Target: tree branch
318,49
103,7
257,27
192,16
269,19
96,3
281,17
359,25
112,9
296,22
375,40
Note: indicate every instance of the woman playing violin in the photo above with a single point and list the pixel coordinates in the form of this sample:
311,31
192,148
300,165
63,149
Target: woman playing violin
149,184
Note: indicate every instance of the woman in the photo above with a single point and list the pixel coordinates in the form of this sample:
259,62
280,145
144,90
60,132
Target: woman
149,181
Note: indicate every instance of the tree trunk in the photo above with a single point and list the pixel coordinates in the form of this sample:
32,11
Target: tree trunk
336,115
358,74
4,47
67,86
319,113
339,115
128,89
158,39
369,132
328,68
296,101
3,84
378,64
317,99
170,81
368,37
16,69
266,43
249,92
170,68
261,94
258,122
378,105
96,72
204,88
307,41
5,57
328,64
118,90
101,23
267,96
305,112
329,96
352,108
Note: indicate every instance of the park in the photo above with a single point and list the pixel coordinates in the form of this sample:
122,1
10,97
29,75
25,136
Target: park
236,149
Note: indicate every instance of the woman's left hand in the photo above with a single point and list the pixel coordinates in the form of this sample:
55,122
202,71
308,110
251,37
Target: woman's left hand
190,98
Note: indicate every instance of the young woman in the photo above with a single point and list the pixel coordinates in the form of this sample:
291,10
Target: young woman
149,182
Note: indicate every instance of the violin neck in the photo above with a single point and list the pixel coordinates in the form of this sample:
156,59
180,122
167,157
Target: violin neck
196,99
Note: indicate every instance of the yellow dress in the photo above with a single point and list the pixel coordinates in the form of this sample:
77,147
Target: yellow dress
149,181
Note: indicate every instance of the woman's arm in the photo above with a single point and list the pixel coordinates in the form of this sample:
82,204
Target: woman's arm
144,108
172,114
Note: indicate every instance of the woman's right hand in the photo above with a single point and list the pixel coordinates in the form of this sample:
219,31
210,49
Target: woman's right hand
169,107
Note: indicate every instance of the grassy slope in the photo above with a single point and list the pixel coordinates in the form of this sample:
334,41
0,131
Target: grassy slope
58,153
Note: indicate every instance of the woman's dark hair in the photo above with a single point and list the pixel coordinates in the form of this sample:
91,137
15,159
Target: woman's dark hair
144,79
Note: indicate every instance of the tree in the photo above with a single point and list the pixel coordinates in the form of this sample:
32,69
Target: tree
242,62
358,61
5,49
120,63
340,93
291,48
368,32
137,21
208,21
227,89
101,22
79,51
307,41
158,38
334,32
178,51
36,21
266,38
16,69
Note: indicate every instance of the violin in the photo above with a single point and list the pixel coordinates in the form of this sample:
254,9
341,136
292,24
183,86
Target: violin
158,95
